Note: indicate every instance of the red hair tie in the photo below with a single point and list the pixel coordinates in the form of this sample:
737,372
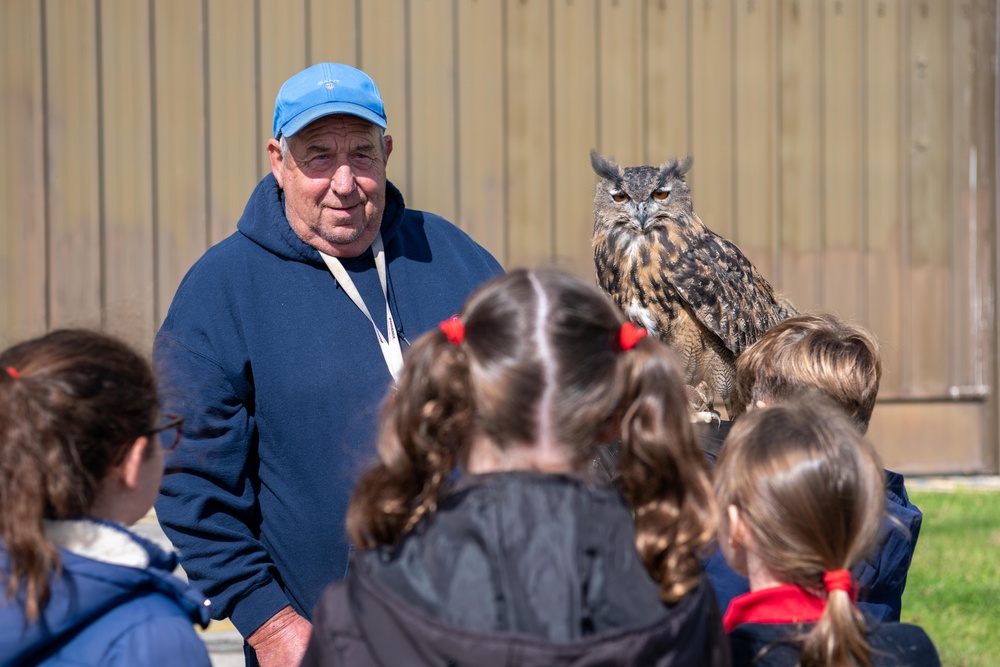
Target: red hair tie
11,371
839,580
629,335
453,329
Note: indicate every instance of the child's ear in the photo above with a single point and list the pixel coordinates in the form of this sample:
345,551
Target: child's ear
128,469
738,531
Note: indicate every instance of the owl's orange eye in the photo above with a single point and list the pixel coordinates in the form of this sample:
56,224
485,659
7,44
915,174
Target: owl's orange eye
619,196
661,194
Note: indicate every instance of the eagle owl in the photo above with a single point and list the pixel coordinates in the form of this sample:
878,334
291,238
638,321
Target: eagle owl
669,273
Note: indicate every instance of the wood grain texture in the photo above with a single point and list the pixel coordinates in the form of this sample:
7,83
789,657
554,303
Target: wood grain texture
74,198
127,175
23,222
574,89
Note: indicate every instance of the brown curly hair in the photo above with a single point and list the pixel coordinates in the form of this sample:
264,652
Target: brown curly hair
540,363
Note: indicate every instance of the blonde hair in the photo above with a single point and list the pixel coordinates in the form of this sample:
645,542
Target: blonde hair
817,351
541,362
810,489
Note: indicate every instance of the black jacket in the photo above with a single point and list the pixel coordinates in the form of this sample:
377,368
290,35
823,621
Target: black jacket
893,645
514,569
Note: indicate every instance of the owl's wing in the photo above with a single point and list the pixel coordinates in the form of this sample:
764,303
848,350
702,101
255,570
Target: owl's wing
724,290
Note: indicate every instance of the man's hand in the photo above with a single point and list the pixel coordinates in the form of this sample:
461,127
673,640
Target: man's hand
282,640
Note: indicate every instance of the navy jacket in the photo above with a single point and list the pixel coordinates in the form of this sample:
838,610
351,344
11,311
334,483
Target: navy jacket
280,378
771,645
881,577
107,614
517,568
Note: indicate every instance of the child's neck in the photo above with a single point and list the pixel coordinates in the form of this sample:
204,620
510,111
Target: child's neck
759,574
486,457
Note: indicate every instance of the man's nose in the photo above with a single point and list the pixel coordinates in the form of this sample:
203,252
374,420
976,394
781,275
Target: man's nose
343,179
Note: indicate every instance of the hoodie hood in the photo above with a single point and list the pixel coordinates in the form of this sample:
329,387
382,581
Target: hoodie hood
883,574
87,588
522,568
264,221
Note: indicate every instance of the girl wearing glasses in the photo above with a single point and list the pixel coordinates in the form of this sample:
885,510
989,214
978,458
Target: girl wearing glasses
81,457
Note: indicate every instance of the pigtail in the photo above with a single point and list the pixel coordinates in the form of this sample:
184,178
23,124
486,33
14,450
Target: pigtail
838,638
425,423
663,474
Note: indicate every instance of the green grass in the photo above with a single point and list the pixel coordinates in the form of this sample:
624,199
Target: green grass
953,589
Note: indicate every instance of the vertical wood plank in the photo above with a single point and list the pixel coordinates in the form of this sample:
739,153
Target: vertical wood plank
180,136
755,140
799,134
281,45
383,58
432,143
529,149
575,109
620,73
73,170
963,356
970,49
668,74
23,226
127,118
883,157
842,214
481,181
930,243
332,31
983,216
235,147
711,176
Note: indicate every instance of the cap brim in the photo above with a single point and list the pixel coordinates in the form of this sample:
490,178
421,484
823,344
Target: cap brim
330,109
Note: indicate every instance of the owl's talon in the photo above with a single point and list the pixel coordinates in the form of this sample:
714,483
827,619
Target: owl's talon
708,417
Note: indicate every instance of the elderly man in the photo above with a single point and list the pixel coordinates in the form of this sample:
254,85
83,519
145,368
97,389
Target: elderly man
278,347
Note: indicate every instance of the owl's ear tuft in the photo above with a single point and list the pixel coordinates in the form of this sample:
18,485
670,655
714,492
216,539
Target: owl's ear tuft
676,168
608,169
684,166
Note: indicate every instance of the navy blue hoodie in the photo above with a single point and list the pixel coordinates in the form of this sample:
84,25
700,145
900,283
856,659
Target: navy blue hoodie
280,378
104,613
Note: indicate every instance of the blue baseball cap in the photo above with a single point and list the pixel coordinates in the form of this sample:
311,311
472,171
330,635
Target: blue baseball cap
323,90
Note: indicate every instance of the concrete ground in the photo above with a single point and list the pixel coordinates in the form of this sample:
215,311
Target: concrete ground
225,645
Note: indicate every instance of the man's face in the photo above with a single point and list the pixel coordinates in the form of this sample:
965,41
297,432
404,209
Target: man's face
334,183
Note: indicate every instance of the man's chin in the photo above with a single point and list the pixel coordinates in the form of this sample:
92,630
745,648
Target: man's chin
351,243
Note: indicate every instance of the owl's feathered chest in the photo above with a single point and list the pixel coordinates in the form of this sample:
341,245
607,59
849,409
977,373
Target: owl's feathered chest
630,269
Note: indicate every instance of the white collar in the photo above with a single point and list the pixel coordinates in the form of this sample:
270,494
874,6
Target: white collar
97,541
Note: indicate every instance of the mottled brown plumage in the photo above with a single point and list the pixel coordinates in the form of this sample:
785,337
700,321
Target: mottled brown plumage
668,272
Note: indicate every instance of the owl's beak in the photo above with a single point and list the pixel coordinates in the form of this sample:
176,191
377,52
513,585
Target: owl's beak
642,215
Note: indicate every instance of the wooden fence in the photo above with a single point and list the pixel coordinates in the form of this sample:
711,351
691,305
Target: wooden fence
848,146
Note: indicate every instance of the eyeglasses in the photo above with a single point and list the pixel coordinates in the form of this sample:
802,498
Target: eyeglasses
170,431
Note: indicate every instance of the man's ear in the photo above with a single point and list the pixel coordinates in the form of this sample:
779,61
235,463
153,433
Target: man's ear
277,160
388,147
128,469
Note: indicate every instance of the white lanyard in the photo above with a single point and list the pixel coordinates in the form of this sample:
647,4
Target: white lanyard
391,350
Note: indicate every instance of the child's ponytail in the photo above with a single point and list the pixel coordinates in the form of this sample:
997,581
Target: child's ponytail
423,427
663,473
838,638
